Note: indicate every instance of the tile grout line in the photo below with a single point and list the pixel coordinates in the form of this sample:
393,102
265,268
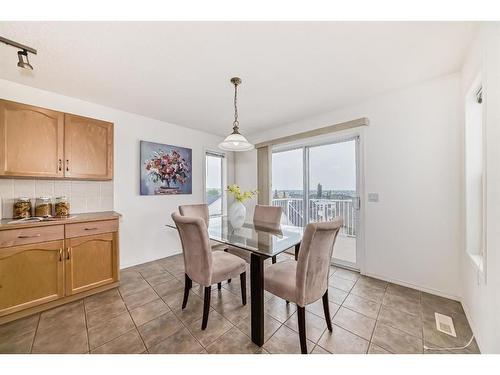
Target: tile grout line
86,325
36,331
376,321
173,312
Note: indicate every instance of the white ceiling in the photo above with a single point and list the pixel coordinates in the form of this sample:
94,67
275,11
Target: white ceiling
179,71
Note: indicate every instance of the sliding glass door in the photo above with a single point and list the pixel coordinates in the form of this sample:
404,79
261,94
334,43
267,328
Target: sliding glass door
323,178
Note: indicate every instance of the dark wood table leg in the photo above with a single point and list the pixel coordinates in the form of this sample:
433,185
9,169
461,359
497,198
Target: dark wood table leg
297,247
257,298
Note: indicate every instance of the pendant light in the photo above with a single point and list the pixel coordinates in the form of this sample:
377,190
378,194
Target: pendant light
235,141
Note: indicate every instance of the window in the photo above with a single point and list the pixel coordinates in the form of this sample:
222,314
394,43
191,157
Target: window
317,182
474,176
214,183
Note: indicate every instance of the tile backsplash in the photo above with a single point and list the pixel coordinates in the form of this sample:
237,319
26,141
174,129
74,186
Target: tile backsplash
84,196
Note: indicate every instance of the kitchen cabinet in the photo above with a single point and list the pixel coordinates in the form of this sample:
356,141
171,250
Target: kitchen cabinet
47,264
91,261
38,142
88,148
31,140
30,275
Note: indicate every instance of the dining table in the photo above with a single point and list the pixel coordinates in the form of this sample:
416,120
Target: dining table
262,241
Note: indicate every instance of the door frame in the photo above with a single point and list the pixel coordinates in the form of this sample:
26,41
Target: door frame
342,136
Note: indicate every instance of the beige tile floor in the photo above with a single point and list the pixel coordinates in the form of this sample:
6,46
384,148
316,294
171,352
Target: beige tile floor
144,315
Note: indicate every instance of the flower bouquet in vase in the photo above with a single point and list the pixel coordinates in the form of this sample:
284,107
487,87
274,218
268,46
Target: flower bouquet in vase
169,169
237,211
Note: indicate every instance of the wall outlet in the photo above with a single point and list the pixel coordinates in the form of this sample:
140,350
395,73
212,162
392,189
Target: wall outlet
372,197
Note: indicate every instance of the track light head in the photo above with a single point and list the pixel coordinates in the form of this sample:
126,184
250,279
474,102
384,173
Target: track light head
22,56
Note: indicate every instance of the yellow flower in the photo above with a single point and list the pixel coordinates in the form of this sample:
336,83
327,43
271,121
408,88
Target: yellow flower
238,195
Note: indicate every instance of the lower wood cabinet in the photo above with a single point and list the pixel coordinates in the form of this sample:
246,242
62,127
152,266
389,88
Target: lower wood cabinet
91,261
31,275
68,262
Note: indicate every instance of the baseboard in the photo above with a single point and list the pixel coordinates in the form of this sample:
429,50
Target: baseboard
413,286
471,323
122,267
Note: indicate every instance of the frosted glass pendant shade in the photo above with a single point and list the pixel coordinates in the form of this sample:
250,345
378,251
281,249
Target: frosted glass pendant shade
235,142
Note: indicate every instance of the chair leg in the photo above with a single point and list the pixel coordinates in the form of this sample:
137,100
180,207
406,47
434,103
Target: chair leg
228,280
326,309
243,282
273,259
301,315
206,307
187,285
219,286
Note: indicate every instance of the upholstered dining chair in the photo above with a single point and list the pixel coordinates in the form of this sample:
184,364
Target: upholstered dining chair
204,266
306,280
200,210
265,217
195,210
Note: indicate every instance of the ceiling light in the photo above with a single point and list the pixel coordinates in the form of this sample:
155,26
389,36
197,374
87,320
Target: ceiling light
22,55
235,141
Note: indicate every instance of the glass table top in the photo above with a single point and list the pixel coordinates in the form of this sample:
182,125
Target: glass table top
253,236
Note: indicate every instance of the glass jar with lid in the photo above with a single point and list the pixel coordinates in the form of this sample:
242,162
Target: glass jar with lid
43,206
22,208
61,207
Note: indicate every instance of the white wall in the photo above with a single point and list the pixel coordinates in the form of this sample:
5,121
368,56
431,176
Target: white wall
413,160
481,296
143,236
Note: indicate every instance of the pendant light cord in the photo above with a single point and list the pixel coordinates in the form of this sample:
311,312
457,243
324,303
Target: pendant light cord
236,123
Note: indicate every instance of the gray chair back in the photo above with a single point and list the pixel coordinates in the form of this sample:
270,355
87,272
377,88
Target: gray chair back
195,210
195,248
313,265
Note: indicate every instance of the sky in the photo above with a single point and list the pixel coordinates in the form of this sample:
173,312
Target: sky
333,165
214,172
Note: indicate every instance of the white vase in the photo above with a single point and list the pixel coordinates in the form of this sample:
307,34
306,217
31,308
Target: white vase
237,213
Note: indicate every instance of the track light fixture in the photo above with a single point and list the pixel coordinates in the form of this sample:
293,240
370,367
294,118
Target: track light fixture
22,55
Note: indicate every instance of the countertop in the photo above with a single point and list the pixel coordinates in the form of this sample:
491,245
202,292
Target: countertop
74,218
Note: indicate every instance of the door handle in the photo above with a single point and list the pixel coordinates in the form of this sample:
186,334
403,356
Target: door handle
60,254
90,228
60,165
33,236
67,165
68,257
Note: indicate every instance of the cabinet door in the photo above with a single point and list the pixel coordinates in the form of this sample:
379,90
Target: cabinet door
88,148
91,261
31,141
30,275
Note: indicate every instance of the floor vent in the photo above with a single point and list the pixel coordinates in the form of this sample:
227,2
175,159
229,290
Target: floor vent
444,324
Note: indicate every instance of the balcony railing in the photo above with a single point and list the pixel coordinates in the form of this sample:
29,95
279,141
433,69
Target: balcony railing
319,210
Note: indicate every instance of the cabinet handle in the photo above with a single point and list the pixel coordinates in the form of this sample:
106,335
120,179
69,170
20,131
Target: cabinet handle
33,236
69,254
90,228
60,165
67,165
60,254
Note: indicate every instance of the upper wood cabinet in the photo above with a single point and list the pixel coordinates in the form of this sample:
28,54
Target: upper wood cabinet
88,148
31,141
37,142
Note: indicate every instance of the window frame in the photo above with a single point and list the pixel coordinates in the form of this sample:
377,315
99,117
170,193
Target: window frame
478,257
222,156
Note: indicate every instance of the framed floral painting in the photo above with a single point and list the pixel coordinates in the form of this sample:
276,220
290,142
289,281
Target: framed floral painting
165,169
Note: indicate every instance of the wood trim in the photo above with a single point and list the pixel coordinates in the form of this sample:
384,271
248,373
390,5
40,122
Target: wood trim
363,121
52,304
264,175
